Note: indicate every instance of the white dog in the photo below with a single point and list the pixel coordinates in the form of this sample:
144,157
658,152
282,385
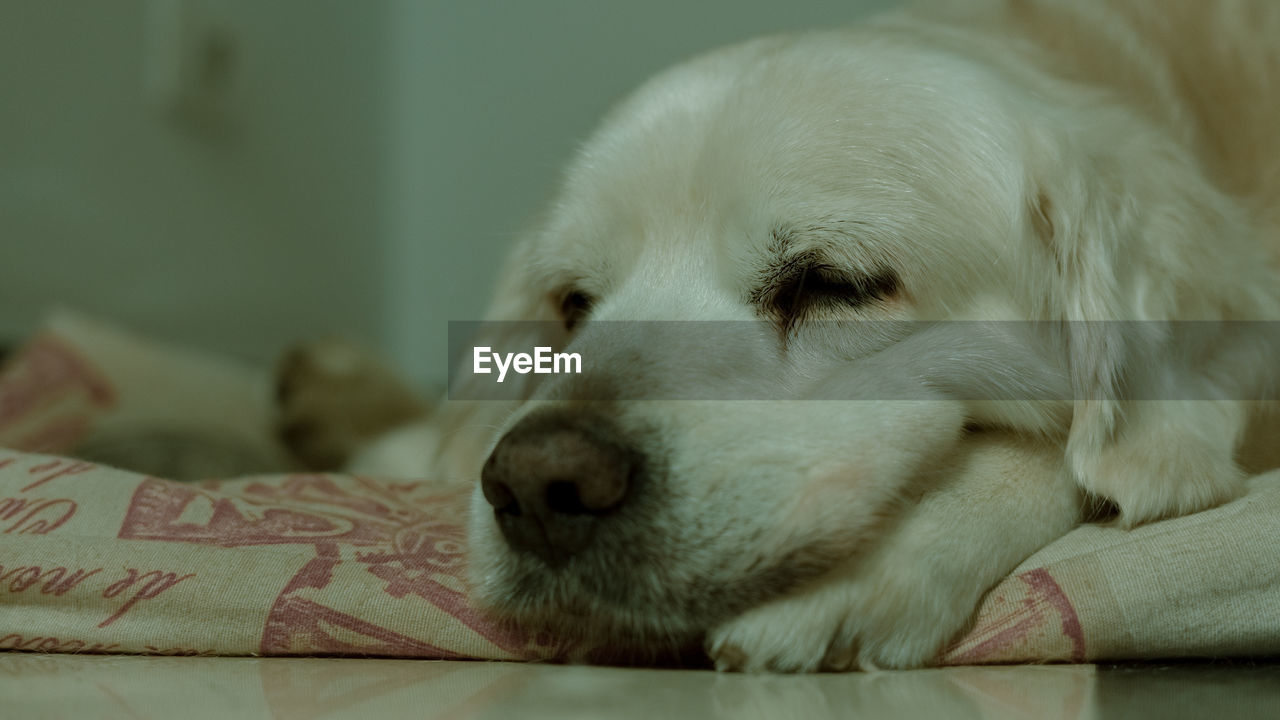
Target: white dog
804,487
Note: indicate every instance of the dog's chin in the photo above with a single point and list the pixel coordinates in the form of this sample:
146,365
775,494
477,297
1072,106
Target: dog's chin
575,600
521,595
637,598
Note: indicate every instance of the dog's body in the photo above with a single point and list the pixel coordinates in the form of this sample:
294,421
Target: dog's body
1079,164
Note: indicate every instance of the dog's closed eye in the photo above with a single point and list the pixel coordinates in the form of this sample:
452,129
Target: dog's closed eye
575,306
807,284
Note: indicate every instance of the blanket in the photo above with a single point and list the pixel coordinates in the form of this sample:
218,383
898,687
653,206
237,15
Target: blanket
99,559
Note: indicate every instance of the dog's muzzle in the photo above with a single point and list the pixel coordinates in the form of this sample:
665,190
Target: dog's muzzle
556,477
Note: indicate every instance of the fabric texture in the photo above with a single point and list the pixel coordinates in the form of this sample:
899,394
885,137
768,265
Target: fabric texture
96,559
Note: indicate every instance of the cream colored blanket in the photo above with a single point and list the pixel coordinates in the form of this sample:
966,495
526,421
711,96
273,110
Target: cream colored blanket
95,559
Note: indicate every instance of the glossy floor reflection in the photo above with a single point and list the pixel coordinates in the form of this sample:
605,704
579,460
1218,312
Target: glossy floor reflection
64,686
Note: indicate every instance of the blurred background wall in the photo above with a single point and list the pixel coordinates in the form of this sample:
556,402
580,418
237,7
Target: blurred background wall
237,175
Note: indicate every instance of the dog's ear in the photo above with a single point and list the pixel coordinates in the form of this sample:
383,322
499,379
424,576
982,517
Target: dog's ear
1138,243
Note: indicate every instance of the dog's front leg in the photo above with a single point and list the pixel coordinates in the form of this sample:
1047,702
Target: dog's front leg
899,604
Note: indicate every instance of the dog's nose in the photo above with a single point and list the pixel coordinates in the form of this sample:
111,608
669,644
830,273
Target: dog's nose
552,478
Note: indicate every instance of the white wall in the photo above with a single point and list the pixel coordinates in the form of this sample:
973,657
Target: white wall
235,235
368,165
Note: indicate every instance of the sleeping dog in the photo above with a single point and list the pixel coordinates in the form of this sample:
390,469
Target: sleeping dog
866,317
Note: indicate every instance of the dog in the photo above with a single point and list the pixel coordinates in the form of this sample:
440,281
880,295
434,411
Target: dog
871,315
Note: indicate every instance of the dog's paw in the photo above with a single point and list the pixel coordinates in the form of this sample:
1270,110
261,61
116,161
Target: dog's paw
1160,459
875,618
1154,480
333,398
902,601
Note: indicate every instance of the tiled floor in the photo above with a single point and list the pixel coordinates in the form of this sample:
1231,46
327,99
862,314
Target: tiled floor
62,686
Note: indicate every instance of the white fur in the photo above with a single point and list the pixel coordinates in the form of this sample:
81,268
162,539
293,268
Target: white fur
1019,159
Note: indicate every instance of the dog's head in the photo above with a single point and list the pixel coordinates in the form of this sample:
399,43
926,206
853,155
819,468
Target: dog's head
745,256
